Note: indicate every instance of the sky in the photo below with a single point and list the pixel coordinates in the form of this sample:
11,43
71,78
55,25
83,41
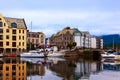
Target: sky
99,17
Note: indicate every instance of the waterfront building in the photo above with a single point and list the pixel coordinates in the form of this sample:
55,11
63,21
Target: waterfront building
62,38
96,42
93,42
12,35
67,35
83,39
36,38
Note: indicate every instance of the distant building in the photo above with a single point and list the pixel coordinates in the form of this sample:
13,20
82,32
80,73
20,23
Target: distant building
67,35
93,42
12,35
37,38
62,38
83,39
96,42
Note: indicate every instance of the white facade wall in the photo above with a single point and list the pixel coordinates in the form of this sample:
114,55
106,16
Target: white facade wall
77,39
101,43
93,43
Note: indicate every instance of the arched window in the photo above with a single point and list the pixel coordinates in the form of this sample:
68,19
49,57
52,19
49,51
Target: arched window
13,25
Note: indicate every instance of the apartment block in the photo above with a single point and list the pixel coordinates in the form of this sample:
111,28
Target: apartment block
36,37
13,33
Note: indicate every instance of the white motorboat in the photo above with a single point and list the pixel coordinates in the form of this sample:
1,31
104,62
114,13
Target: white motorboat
55,54
33,53
108,55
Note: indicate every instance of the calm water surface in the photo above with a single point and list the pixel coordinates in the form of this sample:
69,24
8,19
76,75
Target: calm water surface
57,69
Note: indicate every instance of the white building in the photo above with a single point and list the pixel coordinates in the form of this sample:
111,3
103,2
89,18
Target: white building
82,39
93,43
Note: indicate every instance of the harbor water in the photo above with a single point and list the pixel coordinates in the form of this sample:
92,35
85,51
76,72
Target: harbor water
56,68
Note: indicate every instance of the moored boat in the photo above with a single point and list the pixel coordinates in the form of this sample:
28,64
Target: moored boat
56,54
32,54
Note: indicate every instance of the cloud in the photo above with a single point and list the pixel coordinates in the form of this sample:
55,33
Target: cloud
96,16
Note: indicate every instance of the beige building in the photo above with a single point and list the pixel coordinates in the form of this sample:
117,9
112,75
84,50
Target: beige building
13,33
36,37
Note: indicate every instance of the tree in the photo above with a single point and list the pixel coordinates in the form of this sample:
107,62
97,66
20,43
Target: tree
71,45
74,44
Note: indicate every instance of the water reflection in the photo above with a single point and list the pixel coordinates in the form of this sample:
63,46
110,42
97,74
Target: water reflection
54,69
12,69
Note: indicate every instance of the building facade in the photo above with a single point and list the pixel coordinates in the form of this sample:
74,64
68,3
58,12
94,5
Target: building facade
62,38
96,43
82,38
36,38
12,35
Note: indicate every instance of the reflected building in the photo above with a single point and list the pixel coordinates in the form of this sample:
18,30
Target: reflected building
71,70
35,69
12,69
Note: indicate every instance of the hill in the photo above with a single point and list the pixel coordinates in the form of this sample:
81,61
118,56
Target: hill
109,40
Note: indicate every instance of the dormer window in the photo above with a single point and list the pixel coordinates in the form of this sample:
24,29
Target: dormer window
13,25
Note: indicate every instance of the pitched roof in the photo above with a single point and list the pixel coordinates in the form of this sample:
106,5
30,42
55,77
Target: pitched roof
20,22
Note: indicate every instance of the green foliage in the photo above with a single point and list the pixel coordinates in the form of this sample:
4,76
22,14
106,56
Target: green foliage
71,44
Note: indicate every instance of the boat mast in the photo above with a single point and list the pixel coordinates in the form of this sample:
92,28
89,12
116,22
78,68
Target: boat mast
113,43
30,35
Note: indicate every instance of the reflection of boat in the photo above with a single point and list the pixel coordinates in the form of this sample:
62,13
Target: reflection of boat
55,59
114,65
33,60
32,54
40,60
1,55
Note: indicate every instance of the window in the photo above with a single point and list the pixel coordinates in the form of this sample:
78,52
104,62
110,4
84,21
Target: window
13,44
7,30
7,36
13,67
23,37
1,44
14,31
1,67
13,37
23,43
13,73
1,37
1,30
13,25
1,24
4,24
7,43
7,68
19,37
23,31
19,43
19,31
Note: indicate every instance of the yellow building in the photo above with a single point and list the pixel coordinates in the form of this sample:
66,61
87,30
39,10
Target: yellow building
13,33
